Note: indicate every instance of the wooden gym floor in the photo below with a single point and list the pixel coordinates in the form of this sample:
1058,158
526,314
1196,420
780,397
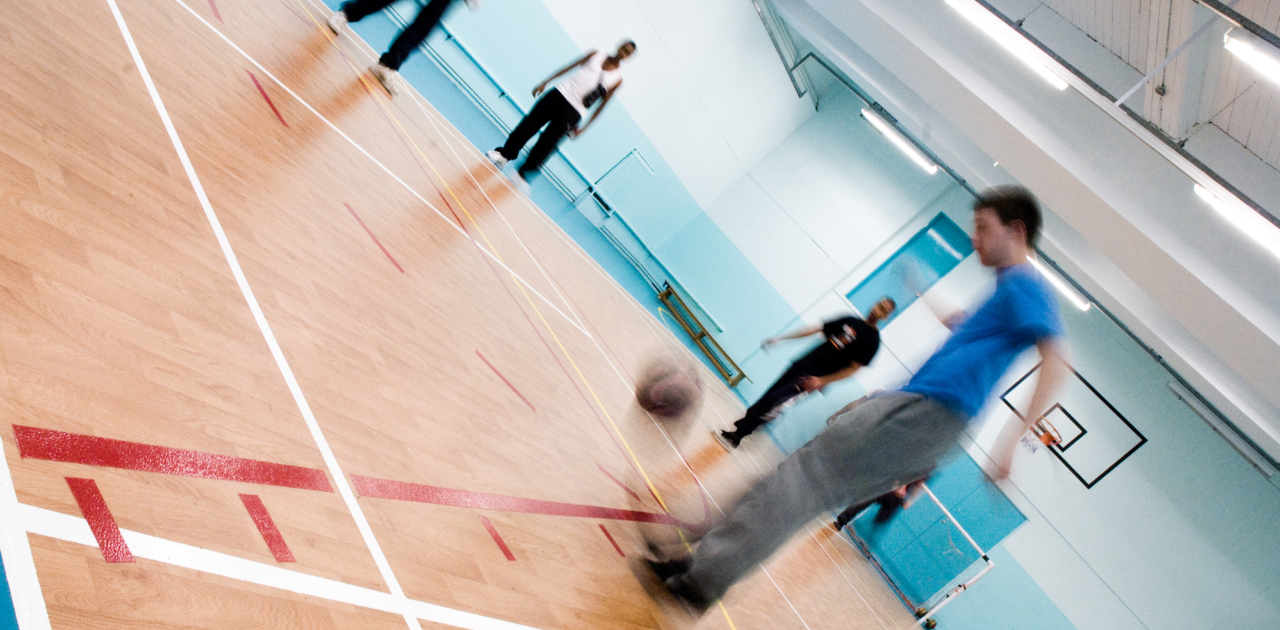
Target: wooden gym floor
303,359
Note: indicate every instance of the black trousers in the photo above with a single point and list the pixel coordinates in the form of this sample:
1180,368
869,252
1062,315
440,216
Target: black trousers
785,388
889,505
552,110
411,37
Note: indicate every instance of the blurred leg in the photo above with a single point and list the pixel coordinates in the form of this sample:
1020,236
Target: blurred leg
879,446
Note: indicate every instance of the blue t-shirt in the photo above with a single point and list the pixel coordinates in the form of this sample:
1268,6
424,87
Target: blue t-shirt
962,373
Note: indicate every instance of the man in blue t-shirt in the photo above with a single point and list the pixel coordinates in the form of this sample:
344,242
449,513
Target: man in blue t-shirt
897,437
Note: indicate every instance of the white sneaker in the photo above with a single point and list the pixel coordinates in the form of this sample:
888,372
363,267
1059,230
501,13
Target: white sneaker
390,79
521,185
497,159
336,21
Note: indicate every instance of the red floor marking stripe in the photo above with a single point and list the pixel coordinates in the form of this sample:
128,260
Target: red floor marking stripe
498,539
214,6
57,446
504,380
619,482
268,99
267,527
375,239
294,11
104,527
611,540
405,491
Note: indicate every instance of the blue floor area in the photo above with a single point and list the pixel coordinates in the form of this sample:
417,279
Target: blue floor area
423,74
8,619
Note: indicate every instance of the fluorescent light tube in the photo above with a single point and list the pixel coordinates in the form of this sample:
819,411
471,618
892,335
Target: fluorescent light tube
1245,219
1061,286
900,142
1252,50
1009,38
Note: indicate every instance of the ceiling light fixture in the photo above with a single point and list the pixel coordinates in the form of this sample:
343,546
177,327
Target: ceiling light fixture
1009,38
1061,286
1245,219
1254,51
899,141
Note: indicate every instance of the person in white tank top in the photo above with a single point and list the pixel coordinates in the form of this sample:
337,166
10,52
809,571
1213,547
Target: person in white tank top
597,78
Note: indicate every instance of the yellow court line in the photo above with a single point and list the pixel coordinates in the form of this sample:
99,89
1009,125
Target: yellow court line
563,350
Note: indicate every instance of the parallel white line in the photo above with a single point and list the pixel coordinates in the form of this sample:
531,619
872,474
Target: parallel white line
19,565
76,530
335,470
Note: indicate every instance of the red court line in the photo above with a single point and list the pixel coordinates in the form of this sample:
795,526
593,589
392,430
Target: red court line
267,527
619,482
375,239
611,540
214,6
295,12
57,446
405,491
498,539
268,99
104,527
504,380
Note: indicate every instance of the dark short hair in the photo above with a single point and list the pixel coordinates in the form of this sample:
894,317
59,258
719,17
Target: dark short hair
627,42
893,306
1013,203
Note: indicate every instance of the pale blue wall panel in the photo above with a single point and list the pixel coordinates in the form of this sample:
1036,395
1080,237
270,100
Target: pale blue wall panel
1007,598
726,284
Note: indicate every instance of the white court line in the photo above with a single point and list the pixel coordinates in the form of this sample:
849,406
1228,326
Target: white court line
520,240
846,577
331,462
19,565
785,598
76,530
375,161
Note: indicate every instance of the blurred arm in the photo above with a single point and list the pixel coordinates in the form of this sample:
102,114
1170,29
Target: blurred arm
803,332
1054,370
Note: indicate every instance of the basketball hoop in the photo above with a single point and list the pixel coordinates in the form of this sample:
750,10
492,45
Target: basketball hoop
1047,433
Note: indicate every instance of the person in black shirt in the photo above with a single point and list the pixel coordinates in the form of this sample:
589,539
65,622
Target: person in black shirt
850,344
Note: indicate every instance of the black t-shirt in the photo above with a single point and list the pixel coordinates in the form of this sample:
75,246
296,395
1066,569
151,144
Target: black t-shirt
849,340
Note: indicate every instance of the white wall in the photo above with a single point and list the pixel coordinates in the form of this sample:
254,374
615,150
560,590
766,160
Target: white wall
823,200
705,85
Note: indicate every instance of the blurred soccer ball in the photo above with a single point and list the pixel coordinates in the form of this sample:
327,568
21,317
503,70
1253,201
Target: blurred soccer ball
668,390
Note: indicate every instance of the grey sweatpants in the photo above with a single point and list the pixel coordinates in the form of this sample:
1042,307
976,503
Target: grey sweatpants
888,441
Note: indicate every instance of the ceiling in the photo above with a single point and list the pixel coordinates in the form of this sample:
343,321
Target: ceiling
1204,85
